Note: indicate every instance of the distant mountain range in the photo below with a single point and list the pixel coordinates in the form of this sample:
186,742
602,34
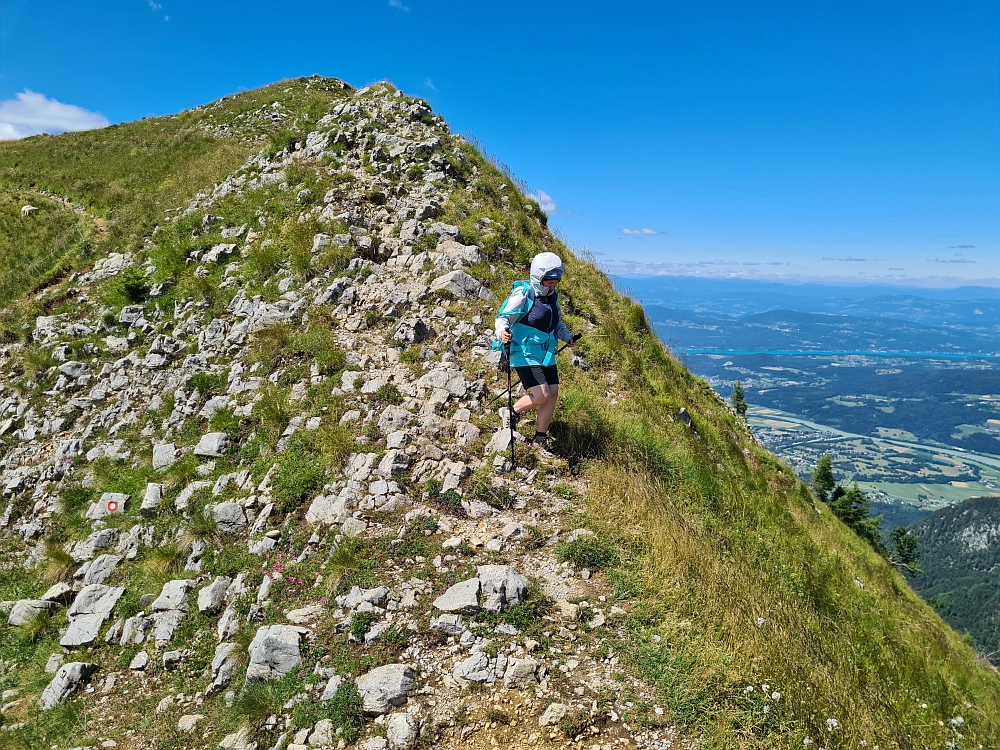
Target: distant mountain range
794,330
975,307
960,554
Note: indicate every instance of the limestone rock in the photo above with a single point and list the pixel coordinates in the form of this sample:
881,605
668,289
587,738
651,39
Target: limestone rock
139,661
224,665
501,587
274,652
188,723
520,673
88,612
553,714
474,669
322,733
212,445
332,686
65,682
402,731
448,623
164,456
462,598
460,284
26,610
151,500
230,517
384,688
173,596
60,592
100,568
109,502
211,598
238,741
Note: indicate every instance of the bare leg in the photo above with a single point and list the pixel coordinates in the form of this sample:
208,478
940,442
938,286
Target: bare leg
546,410
536,397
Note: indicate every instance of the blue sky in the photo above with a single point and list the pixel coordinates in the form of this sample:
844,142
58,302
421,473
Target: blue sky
856,140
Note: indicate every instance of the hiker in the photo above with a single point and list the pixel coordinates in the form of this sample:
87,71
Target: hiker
529,323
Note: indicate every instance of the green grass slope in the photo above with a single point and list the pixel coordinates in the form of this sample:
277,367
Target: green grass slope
760,618
125,176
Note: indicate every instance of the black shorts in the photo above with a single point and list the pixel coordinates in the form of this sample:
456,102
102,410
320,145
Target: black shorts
533,375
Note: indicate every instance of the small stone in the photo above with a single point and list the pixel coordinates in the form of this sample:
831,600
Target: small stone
322,733
72,370
26,610
187,723
462,598
502,586
151,500
385,687
402,731
212,445
353,527
164,456
553,714
520,673
211,597
139,661
448,623
474,669
172,659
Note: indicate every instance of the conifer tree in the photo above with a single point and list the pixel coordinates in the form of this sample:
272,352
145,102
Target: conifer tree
739,403
823,482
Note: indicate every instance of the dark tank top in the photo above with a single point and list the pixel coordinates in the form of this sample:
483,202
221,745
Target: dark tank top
542,315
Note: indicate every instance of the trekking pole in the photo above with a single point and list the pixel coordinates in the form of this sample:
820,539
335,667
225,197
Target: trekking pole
510,411
572,341
496,398
500,395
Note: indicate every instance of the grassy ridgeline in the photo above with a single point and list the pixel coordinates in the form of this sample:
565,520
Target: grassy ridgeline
742,577
126,176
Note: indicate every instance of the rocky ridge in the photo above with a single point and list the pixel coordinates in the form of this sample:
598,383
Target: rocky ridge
160,473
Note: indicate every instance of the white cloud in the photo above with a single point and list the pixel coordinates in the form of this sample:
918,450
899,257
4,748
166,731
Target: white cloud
430,84
398,5
545,201
154,6
644,232
31,113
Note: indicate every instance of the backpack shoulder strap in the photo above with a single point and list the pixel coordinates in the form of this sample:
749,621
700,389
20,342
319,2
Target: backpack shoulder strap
527,295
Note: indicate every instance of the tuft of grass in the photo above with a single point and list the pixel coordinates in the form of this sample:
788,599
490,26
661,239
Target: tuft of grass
343,561
347,711
58,564
272,413
208,383
591,552
305,462
202,526
496,716
165,561
36,628
575,723
259,700
388,394
361,623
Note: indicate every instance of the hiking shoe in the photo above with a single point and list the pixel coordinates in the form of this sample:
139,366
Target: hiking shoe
509,418
544,444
